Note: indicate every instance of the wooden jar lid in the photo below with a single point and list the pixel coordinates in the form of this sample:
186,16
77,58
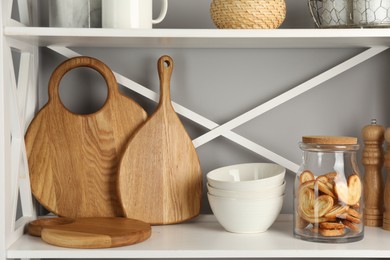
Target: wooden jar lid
329,140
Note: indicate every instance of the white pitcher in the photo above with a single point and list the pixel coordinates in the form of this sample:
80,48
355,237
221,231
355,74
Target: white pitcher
131,13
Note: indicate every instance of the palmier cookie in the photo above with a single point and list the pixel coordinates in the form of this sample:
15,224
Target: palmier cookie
324,188
356,206
326,181
328,177
332,232
306,176
349,192
350,225
353,219
331,175
306,185
331,225
336,210
300,222
354,213
314,212
315,229
322,179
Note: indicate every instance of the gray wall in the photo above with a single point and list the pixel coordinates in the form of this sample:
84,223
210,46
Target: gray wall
220,84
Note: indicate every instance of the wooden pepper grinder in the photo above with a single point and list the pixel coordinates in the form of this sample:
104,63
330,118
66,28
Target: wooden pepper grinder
386,214
372,160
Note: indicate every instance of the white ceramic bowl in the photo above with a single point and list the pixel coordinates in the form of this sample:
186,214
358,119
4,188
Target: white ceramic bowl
259,194
247,177
243,215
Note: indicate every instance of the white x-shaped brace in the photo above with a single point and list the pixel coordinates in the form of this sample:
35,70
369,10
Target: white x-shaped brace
21,107
225,129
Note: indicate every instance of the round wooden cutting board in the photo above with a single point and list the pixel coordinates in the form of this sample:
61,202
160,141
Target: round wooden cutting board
73,159
97,233
35,227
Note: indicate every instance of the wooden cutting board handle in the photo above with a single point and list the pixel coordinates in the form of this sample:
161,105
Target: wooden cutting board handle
60,71
73,159
165,68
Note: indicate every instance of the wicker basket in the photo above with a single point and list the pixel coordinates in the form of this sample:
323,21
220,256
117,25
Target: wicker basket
350,13
248,14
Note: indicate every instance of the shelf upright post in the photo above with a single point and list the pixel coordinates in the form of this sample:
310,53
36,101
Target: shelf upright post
2,146
18,104
5,143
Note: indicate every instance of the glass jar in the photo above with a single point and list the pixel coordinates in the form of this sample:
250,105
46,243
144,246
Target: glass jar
328,199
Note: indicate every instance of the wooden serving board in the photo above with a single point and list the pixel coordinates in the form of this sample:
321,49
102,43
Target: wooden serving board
35,227
160,179
73,159
97,233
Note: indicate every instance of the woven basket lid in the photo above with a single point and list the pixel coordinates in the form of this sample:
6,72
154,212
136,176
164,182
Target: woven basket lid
329,139
248,14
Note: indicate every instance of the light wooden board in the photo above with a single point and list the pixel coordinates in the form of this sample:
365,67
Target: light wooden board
97,233
73,159
35,227
160,179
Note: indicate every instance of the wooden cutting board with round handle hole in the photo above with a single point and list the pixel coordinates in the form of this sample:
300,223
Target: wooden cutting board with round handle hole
73,159
160,179
97,233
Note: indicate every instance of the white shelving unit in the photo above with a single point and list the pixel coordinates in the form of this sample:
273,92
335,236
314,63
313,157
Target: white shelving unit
203,237
201,38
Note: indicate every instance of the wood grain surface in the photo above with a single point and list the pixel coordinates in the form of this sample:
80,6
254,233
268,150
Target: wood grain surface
97,233
386,192
73,159
329,139
34,228
160,179
372,159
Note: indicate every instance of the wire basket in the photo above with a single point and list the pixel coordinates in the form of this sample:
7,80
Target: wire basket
248,14
350,13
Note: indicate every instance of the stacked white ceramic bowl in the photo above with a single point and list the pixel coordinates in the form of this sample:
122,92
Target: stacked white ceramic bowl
246,198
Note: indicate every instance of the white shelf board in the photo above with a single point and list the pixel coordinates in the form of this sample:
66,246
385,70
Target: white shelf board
201,38
205,238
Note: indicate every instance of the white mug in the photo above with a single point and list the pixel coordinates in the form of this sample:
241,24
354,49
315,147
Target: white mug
130,13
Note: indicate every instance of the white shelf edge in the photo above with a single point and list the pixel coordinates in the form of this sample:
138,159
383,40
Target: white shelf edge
210,33
205,238
202,38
